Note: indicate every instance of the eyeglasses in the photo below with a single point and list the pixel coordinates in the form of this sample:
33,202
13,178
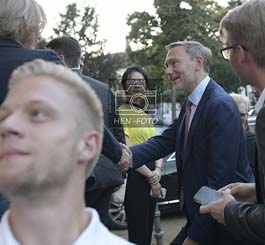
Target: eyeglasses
226,52
135,82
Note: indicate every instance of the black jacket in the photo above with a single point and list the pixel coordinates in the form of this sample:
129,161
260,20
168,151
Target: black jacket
13,55
244,219
105,171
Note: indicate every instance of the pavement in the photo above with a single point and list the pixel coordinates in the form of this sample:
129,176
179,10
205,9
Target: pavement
170,225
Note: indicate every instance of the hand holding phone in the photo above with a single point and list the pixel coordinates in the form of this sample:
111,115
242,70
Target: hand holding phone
206,195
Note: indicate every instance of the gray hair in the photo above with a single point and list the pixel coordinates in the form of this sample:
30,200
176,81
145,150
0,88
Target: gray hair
195,49
21,19
246,26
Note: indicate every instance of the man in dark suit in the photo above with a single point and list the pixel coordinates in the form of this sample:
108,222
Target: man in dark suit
107,176
242,207
207,137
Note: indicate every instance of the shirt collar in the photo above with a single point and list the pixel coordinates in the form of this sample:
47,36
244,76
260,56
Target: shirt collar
5,230
197,93
260,102
8,237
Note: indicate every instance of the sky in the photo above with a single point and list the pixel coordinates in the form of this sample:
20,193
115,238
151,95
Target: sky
112,17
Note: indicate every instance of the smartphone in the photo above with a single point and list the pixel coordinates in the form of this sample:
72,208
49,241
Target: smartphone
162,194
206,195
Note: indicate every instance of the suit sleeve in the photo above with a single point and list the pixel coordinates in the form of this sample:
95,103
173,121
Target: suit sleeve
117,128
111,148
224,137
246,220
156,147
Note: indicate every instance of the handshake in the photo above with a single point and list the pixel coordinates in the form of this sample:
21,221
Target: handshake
126,159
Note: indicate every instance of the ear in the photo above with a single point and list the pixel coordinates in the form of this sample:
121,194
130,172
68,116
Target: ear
242,55
199,62
89,146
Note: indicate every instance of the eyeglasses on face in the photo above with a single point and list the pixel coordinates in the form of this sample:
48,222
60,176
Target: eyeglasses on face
135,82
226,52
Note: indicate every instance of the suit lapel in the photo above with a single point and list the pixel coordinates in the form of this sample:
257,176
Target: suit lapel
196,118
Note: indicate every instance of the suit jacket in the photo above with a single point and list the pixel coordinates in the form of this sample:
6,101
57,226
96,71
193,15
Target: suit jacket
105,172
244,219
215,155
107,99
13,55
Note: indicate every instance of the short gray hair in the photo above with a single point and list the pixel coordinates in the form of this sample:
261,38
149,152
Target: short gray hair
20,19
195,49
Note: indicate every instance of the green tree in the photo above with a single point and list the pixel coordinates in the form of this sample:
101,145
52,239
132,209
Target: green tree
105,67
83,26
179,20
41,44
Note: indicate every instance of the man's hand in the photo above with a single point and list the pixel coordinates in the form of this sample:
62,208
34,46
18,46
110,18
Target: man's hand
216,209
126,159
189,241
156,176
155,190
243,192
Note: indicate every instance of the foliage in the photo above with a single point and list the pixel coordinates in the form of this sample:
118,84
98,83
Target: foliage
105,67
83,26
179,20
41,44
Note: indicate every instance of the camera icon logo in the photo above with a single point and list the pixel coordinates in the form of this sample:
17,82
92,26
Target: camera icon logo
147,98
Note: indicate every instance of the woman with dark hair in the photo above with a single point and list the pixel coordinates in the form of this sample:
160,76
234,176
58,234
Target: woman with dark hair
143,183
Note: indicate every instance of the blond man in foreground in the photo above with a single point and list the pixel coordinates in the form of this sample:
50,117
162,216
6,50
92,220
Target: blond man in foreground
50,138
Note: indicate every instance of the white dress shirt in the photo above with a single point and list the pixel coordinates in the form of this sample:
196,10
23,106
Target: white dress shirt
95,233
196,95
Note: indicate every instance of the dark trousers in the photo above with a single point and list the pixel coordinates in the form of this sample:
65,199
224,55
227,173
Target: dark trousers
225,239
99,199
181,236
139,208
